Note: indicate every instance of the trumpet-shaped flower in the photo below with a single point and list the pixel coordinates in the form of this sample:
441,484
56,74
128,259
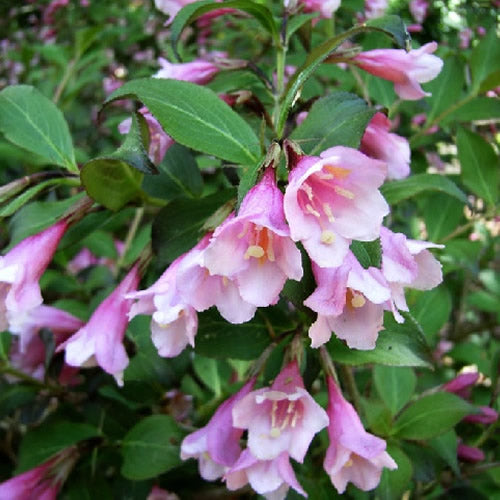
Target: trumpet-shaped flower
20,273
197,71
217,445
326,8
334,199
254,247
270,478
379,143
406,69
354,455
99,342
282,418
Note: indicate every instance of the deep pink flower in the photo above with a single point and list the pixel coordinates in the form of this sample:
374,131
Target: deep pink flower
270,478
158,493
375,8
418,9
326,8
332,199
20,273
354,455
469,453
350,301
171,7
28,354
462,384
197,71
254,247
100,341
379,143
282,418
217,445
486,416
406,69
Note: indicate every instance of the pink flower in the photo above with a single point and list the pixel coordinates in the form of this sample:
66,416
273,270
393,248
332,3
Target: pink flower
465,38
469,453
28,354
334,199
254,247
270,478
217,445
158,493
171,7
20,273
159,141
375,8
99,342
85,258
326,8
486,416
350,301
406,69
354,455
462,384
418,9
282,418
197,71
379,143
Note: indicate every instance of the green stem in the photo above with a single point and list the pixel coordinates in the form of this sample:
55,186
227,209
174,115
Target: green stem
351,387
139,213
9,370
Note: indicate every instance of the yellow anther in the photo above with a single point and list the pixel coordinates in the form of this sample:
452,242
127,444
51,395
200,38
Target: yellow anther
308,190
358,300
311,210
349,463
327,237
225,281
270,249
275,432
244,231
338,172
344,192
328,211
254,251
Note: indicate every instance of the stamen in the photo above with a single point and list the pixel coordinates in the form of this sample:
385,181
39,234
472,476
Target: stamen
327,237
270,249
225,280
308,190
254,251
311,210
275,432
339,172
274,407
244,231
349,463
294,419
358,300
344,192
328,211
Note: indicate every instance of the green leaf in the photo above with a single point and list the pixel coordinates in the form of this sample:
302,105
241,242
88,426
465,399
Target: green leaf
296,22
193,11
447,88
397,345
445,446
195,117
390,25
479,108
216,338
485,59
479,165
45,441
212,372
111,183
337,119
431,416
431,309
368,253
15,396
393,483
177,227
442,214
179,176
151,448
12,207
395,385
5,340
397,191
33,122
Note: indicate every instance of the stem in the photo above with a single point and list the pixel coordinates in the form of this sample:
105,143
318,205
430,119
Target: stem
328,366
64,81
9,370
139,213
350,384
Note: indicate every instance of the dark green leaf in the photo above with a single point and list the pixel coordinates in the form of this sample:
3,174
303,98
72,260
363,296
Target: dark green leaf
447,88
337,119
31,121
16,396
48,439
296,22
179,176
445,446
394,483
177,227
297,291
485,59
151,447
216,338
479,108
5,341
195,117
397,345
479,165
431,309
395,385
431,416
111,183
442,214
390,25
193,11
368,253
397,191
